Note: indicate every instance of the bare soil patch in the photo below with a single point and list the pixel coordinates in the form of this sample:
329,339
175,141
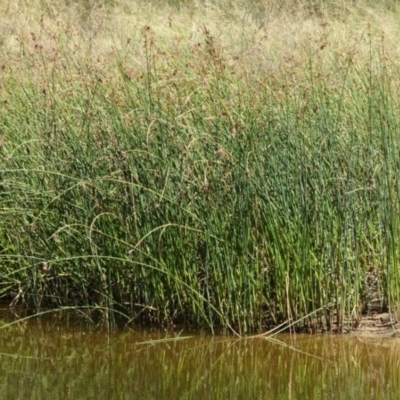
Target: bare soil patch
379,325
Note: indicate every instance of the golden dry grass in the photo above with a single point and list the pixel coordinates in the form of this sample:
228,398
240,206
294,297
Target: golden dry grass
259,38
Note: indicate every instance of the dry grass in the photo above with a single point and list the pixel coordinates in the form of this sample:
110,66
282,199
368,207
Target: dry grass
261,38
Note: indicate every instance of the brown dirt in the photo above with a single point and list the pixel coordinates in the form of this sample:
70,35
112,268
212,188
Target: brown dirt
379,325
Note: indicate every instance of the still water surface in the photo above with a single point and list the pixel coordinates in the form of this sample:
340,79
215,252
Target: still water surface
52,358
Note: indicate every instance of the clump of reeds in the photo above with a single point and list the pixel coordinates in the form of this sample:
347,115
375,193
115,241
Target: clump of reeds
176,172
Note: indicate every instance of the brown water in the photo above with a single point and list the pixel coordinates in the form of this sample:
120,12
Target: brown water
59,359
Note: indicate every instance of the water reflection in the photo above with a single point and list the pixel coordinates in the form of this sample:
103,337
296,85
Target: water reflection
59,359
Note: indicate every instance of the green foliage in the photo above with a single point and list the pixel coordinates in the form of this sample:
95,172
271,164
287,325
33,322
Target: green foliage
188,190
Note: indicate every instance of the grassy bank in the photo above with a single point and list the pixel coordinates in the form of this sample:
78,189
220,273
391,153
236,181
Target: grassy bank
209,163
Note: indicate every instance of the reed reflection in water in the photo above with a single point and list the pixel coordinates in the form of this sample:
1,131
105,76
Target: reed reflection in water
49,359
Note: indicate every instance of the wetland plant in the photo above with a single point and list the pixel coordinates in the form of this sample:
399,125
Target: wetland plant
216,167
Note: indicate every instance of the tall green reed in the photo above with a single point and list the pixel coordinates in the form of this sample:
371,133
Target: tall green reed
186,191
